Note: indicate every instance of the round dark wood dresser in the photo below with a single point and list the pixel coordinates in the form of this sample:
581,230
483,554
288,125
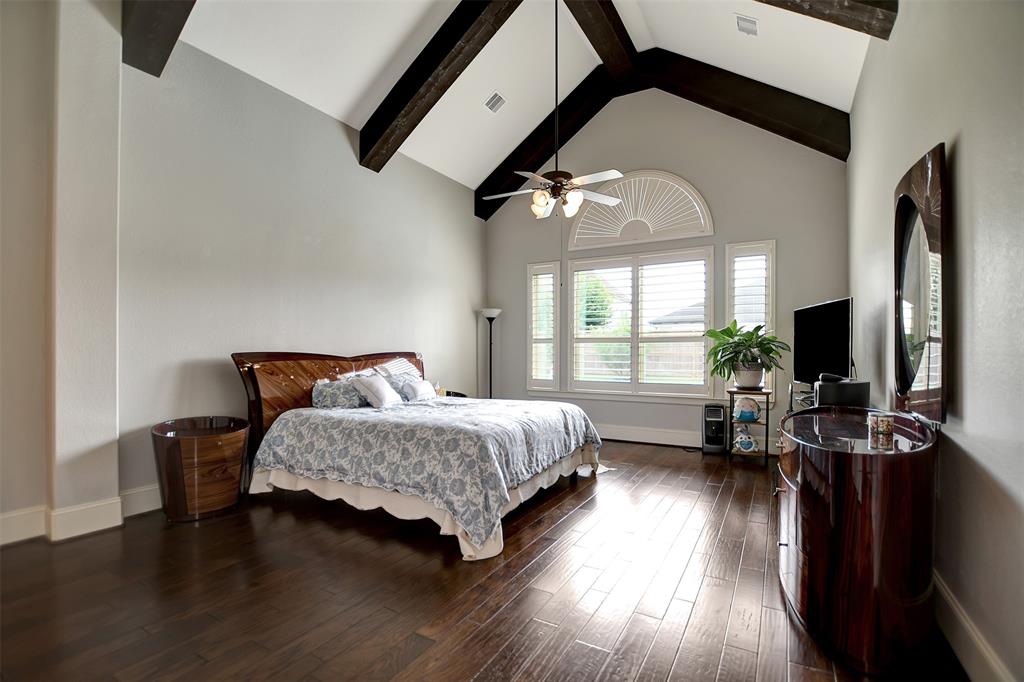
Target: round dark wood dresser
855,532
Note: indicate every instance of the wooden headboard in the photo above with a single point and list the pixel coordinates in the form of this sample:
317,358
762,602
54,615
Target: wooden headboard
277,382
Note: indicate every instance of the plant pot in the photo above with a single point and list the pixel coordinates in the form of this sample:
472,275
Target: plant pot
749,376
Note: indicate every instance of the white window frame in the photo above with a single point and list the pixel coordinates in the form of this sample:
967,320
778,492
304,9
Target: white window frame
635,387
553,268
765,248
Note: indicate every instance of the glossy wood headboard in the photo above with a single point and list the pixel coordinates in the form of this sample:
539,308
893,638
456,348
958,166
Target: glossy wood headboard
277,382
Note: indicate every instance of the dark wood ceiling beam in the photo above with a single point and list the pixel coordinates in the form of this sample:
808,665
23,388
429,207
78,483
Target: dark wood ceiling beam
150,30
459,40
874,17
575,111
797,118
624,71
607,34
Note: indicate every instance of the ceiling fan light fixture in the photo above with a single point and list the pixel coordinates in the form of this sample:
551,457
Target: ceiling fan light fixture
538,210
571,204
541,198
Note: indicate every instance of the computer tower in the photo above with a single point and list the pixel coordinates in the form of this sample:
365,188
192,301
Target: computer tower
713,429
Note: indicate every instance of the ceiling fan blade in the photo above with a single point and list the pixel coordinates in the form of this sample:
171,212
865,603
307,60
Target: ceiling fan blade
600,176
548,210
511,194
534,176
601,198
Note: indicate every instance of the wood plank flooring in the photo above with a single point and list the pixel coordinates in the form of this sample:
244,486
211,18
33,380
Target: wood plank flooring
663,569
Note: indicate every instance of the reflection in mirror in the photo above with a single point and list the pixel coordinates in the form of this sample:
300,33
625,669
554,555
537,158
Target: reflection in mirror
922,277
921,221
915,295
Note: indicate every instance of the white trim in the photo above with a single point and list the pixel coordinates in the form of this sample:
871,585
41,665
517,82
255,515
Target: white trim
976,655
79,519
641,434
660,398
553,268
140,500
22,524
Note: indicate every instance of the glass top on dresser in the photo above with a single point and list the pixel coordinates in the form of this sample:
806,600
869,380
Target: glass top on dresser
845,429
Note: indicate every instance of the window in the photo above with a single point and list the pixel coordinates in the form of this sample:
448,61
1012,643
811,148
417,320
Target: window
638,323
750,287
655,206
542,323
750,284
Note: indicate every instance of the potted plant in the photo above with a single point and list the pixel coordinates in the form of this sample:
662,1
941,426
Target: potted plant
747,354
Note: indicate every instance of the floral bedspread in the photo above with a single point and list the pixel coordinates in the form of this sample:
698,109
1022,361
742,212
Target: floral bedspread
460,454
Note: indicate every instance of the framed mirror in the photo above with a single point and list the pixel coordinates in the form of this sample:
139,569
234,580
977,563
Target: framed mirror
921,227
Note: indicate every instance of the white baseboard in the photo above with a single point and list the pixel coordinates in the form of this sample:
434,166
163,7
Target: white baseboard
640,434
68,522
30,522
140,500
977,657
22,524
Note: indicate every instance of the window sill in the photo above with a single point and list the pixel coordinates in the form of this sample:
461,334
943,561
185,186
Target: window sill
622,397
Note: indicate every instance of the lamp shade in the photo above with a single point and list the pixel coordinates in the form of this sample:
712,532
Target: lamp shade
490,313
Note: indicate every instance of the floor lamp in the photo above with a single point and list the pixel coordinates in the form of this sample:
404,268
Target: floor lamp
490,314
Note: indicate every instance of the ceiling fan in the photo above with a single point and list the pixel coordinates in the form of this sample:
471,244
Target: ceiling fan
559,186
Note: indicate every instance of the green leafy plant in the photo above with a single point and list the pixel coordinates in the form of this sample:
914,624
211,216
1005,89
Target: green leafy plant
597,303
735,348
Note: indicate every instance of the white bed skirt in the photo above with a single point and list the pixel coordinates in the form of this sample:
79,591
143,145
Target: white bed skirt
412,507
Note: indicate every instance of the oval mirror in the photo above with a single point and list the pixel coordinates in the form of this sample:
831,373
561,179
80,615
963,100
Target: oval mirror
921,222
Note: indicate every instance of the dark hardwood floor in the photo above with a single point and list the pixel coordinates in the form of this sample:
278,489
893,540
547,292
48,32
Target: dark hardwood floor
663,569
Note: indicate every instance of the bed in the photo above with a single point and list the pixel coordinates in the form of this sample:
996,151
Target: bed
462,462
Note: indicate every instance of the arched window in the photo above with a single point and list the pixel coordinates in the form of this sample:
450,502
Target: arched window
655,206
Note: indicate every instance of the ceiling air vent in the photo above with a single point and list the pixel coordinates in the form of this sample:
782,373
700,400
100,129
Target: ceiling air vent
495,102
747,25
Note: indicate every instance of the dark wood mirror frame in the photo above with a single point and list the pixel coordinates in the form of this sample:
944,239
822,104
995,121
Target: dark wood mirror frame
923,191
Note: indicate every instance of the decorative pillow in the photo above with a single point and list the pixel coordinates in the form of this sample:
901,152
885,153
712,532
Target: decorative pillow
418,390
340,393
376,390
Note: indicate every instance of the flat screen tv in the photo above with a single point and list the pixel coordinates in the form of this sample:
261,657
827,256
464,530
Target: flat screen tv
823,340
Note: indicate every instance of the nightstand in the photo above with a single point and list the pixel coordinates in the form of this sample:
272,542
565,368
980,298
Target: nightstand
199,461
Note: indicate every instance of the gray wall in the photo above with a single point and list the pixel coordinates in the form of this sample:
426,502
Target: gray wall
25,213
757,185
247,224
953,72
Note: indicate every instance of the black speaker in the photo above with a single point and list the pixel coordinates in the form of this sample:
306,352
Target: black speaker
713,431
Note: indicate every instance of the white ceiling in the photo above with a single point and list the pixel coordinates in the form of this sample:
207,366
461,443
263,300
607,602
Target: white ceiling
339,56
460,137
343,56
806,56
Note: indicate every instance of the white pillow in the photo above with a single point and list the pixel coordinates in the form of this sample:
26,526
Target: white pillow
376,390
419,390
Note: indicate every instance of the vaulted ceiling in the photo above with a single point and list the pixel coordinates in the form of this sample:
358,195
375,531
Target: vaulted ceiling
413,75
